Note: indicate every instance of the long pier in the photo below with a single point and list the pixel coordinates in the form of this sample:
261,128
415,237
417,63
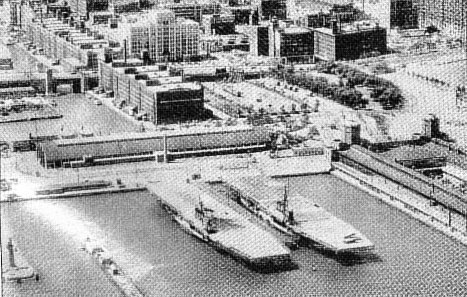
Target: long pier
75,194
412,204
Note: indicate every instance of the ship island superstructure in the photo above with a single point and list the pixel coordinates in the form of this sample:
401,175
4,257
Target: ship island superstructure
270,200
201,215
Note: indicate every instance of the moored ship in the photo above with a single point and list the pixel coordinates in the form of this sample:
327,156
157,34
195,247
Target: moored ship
312,223
108,264
224,229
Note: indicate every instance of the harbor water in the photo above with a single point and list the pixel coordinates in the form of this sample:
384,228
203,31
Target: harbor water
410,258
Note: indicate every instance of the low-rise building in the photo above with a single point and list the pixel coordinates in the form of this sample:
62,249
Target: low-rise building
146,92
225,43
5,58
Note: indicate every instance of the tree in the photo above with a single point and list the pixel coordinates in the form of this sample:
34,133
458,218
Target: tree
283,109
316,107
431,29
391,98
293,108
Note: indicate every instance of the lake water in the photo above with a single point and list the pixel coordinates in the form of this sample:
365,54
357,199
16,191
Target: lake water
410,258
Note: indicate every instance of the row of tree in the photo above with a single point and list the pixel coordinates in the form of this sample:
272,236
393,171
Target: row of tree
320,85
383,91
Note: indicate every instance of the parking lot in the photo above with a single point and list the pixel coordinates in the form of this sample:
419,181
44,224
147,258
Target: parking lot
80,115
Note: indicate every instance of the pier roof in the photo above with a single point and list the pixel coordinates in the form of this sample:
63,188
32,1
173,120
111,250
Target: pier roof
410,152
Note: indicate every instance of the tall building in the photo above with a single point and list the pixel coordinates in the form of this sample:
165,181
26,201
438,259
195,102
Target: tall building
258,37
193,11
323,18
350,42
83,7
450,16
294,44
404,14
159,35
274,9
220,24
244,15
15,13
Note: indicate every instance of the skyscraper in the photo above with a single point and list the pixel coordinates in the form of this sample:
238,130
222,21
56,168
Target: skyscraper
449,16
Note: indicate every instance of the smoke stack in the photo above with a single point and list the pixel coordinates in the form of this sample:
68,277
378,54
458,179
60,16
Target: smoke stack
124,50
11,253
166,157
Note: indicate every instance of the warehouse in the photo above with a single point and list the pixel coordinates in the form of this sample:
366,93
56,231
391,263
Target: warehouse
171,102
91,151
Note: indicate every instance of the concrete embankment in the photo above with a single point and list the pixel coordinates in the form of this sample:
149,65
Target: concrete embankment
294,166
3,121
418,207
75,194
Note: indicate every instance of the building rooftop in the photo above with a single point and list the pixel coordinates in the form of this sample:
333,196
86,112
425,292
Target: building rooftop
73,62
90,41
352,28
9,75
16,89
150,135
409,152
176,86
295,30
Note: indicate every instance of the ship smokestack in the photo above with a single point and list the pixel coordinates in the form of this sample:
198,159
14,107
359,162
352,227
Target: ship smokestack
166,157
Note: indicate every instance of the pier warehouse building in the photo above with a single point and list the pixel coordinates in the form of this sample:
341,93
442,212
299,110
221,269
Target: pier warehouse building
129,147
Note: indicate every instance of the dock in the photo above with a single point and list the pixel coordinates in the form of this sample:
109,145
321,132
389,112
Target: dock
293,166
11,197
